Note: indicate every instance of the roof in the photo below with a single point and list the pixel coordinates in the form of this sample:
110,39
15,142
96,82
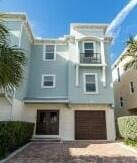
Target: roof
22,16
89,25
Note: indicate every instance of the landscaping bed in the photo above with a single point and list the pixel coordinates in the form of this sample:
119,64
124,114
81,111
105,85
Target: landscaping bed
128,129
14,135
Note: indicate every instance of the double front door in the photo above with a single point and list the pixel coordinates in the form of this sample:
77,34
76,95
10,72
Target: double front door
47,122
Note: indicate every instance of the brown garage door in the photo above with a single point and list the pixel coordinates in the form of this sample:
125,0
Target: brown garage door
90,125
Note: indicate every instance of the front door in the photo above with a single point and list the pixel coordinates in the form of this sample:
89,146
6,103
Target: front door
47,122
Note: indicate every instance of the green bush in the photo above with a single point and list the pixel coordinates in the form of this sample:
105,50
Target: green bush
13,135
128,127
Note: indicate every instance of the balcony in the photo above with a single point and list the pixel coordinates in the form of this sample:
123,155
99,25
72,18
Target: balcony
90,58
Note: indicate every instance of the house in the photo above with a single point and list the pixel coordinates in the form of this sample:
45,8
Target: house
125,87
66,89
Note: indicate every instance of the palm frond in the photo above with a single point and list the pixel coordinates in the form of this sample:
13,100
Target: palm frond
12,61
131,51
4,34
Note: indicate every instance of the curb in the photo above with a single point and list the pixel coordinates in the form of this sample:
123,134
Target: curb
15,152
127,147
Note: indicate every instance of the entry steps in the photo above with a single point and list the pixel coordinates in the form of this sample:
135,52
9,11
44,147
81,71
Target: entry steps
47,140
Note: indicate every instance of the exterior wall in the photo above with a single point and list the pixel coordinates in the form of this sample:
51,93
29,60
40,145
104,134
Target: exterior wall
59,67
5,109
14,28
65,70
26,46
76,94
66,117
64,67
122,89
19,37
17,109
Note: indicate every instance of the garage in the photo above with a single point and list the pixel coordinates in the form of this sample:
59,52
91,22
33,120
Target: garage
90,125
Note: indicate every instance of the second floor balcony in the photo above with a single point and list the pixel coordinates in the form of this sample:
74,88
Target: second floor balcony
90,58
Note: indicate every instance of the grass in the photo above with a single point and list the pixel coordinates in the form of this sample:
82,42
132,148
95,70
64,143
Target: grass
131,143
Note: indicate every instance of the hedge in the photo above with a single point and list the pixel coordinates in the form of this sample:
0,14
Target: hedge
13,135
128,127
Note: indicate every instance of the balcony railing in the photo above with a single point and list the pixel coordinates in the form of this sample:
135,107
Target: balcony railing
90,58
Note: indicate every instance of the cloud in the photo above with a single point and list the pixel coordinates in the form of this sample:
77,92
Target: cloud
118,20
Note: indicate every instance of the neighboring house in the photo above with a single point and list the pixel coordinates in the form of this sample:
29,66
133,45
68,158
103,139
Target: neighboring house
125,88
66,90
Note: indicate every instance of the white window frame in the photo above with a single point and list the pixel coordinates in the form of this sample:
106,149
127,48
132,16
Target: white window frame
54,81
44,52
94,46
130,88
96,83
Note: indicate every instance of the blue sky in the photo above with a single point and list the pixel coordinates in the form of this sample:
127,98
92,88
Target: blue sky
51,18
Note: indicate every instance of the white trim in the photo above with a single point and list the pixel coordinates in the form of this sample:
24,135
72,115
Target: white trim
94,45
54,81
102,52
96,83
51,97
44,52
45,136
20,36
77,75
92,65
47,101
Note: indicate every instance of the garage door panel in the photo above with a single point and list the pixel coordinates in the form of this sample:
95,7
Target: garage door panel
90,125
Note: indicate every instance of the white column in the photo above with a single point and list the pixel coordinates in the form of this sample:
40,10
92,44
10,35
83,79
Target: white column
77,53
20,36
77,75
77,64
110,124
103,61
102,51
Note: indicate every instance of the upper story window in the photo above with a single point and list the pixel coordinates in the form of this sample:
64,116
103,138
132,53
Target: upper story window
90,83
121,102
132,87
49,53
48,81
118,74
89,48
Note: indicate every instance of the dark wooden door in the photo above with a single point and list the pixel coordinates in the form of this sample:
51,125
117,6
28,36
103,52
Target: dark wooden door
90,125
47,122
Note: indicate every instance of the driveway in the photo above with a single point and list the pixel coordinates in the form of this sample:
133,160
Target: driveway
75,152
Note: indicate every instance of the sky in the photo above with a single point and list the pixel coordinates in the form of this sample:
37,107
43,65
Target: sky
51,18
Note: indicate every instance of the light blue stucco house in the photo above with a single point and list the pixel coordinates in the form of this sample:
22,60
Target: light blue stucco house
66,89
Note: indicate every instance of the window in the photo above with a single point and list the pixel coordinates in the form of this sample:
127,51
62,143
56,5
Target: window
49,52
132,88
48,81
121,102
118,74
90,83
89,48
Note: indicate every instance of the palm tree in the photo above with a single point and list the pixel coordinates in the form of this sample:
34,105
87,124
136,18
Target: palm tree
12,60
131,52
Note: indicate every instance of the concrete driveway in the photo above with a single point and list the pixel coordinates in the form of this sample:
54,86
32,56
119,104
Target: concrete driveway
75,152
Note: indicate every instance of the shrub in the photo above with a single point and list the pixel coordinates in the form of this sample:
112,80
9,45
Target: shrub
13,135
128,127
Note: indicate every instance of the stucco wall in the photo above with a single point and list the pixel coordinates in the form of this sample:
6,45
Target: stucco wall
122,89
66,117
5,109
